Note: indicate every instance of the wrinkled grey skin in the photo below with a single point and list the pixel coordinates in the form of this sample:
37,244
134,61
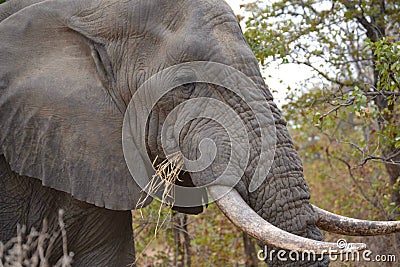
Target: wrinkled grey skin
68,70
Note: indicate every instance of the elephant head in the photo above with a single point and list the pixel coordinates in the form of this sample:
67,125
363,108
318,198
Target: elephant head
69,70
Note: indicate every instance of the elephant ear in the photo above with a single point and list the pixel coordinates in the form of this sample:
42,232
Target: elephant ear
59,122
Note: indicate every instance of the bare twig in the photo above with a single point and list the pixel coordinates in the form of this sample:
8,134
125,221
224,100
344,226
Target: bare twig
388,159
35,248
349,102
350,170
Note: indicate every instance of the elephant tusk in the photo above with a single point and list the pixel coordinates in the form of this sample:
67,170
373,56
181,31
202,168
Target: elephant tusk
244,217
349,226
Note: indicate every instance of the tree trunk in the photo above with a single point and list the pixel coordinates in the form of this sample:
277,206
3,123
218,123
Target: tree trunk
376,32
250,251
182,255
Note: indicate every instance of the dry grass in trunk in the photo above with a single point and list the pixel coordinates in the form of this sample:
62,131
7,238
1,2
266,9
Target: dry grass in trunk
34,249
167,172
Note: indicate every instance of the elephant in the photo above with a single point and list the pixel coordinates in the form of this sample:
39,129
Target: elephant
69,70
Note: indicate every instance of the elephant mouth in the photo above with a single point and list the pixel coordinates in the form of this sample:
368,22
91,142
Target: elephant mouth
245,218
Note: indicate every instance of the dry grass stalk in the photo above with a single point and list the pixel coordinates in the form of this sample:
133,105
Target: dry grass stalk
167,172
34,249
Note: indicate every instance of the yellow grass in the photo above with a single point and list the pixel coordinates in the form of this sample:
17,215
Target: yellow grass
167,173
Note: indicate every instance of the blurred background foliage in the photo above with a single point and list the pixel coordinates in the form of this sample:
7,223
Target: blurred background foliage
211,239
345,118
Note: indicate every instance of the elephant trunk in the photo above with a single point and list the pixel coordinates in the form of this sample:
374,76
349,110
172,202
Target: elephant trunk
280,200
283,201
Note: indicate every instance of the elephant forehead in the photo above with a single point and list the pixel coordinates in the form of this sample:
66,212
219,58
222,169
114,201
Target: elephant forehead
160,17
197,30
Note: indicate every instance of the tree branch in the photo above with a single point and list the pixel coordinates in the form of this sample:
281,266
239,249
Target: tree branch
360,189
